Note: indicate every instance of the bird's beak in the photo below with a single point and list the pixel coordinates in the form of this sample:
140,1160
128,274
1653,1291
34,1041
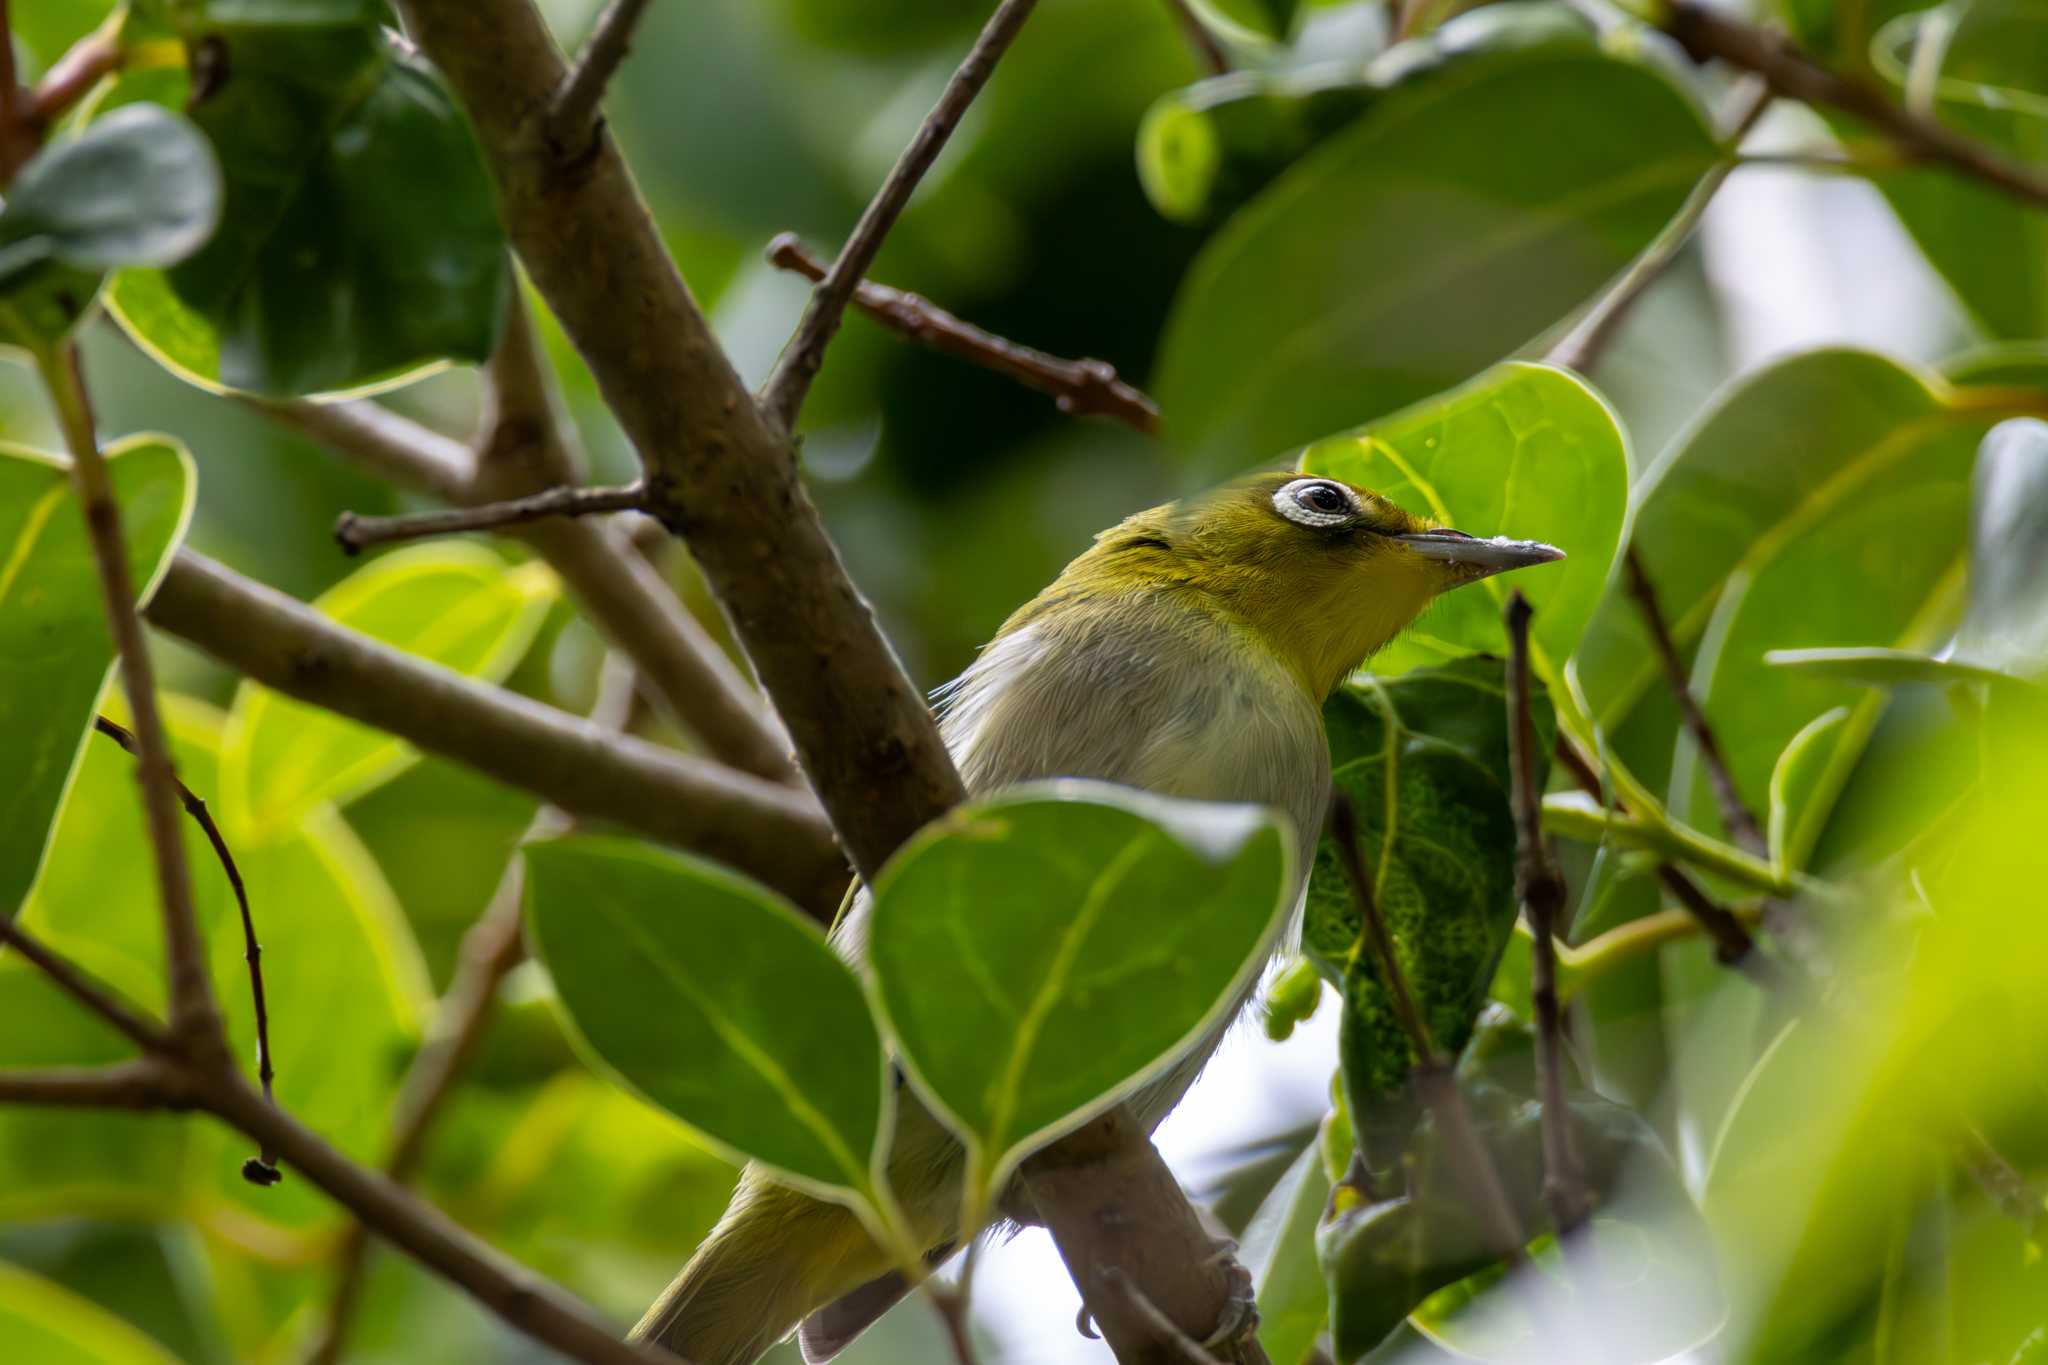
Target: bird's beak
1480,558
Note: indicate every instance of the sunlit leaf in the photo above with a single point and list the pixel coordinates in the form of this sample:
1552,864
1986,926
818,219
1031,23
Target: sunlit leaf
1525,451
55,650
716,1000
456,605
1039,954
1462,215
44,1324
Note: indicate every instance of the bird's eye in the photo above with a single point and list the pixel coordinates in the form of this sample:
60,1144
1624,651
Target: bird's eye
1316,502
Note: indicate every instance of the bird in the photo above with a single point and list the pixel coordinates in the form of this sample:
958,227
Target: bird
1188,651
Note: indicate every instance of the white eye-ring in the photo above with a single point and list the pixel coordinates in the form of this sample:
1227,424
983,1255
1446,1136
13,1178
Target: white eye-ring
1316,502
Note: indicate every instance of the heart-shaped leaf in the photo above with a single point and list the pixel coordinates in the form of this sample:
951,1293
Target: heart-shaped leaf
718,1001
1039,954
55,650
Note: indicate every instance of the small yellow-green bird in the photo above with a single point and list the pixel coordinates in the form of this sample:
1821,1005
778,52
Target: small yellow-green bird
1189,652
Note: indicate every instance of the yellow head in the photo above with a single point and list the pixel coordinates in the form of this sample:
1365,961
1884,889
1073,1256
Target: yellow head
1322,572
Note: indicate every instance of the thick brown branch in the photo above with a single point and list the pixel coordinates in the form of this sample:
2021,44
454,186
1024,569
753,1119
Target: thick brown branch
357,533
769,831
573,113
1085,388
1736,815
263,1169
783,396
1540,888
1711,33
194,1018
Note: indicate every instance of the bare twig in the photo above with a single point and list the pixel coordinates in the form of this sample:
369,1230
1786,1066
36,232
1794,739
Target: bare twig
194,1018
1207,50
770,831
490,950
573,114
1581,348
262,1169
140,1085
356,533
783,395
1736,815
74,74
1084,388
951,1307
1433,1078
1705,33
1540,888
146,1034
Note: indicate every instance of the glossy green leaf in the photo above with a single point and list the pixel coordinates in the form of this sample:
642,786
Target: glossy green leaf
1988,60
1885,667
1424,761
1524,451
360,239
456,605
1799,769
1039,954
55,651
45,1324
138,188
1281,1244
716,1000
1462,215
1822,502
345,984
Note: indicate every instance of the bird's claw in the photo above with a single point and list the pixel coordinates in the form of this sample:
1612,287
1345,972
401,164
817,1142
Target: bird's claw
1239,1319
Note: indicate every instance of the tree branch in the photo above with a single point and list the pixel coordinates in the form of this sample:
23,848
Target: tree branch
1207,50
72,76
356,533
143,1084
1736,815
1709,33
1540,888
194,1019
262,1170
395,448
783,396
769,831
1581,348
573,114
146,1034
1084,388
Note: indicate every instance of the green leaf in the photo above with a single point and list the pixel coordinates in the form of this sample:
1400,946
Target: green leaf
1988,60
1822,502
1525,451
716,1000
454,604
344,979
1039,954
1424,760
360,240
139,187
1792,783
2006,625
1463,215
44,1324
1885,667
1292,1300
1268,19
55,651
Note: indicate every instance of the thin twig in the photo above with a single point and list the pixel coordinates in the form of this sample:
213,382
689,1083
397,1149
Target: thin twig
1540,888
951,1307
1084,388
357,533
194,1018
1709,33
142,1084
146,1034
72,76
490,950
261,1169
1736,815
783,395
1208,51
1581,348
1433,1078
573,114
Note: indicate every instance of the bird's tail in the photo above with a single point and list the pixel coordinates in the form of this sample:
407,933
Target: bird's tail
776,1255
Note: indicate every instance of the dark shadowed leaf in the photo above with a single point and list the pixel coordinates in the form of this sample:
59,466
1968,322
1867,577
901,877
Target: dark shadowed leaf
716,1000
1462,215
1039,953
55,650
